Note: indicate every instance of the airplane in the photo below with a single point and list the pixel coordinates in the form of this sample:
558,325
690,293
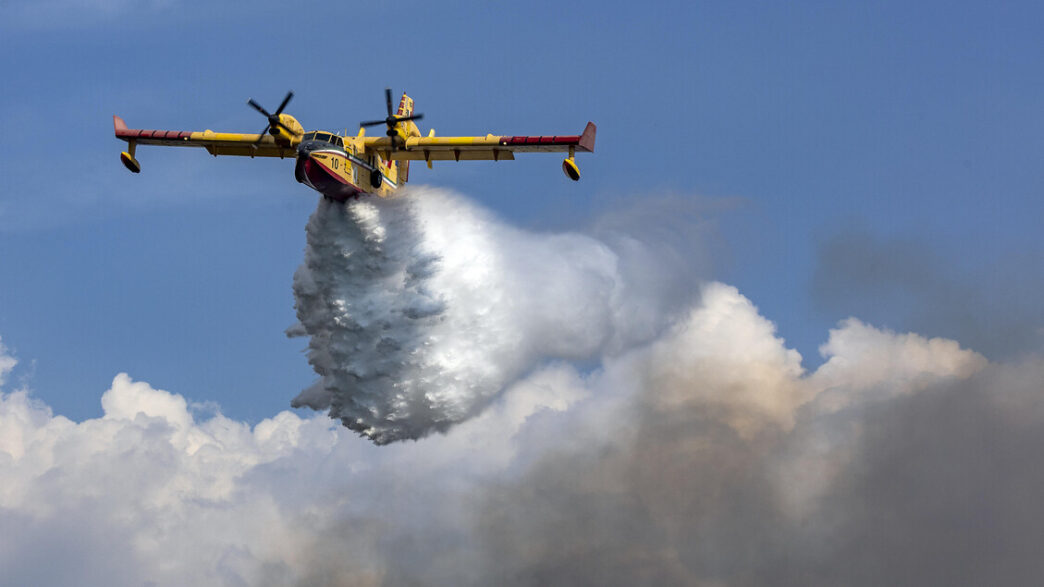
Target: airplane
341,167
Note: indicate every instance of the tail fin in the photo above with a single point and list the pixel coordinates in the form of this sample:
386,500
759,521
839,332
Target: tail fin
406,129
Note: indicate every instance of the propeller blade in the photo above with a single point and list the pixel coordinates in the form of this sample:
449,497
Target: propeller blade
286,100
392,120
259,108
273,119
261,137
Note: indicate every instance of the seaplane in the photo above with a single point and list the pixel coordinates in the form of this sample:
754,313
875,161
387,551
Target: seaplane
341,166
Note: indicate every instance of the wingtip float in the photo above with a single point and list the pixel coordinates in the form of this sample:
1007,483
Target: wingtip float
344,166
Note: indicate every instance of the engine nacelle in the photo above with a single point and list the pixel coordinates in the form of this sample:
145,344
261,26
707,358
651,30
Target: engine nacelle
130,162
280,133
570,169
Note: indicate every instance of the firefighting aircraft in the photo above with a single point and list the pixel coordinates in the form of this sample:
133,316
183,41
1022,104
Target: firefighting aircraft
341,167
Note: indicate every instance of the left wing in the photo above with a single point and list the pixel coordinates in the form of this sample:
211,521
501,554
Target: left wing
487,148
216,143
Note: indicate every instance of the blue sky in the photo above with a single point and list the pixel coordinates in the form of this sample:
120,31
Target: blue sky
917,129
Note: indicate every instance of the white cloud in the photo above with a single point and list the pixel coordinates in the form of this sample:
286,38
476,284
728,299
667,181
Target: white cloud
7,362
869,360
727,355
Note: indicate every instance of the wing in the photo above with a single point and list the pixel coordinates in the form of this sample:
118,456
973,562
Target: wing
217,143
487,148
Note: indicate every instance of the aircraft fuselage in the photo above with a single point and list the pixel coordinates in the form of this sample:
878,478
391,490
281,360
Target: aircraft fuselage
335,171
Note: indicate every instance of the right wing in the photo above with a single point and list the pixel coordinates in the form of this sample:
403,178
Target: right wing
487,148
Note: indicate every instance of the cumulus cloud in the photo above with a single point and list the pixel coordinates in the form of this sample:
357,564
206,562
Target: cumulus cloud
144,493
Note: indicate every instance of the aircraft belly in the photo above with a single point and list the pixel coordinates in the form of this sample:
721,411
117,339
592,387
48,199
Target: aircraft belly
328,173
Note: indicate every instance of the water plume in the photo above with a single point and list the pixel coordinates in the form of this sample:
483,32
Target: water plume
422,308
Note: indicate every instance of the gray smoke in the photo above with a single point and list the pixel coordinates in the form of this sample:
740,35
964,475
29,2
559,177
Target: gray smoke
907,284
422,308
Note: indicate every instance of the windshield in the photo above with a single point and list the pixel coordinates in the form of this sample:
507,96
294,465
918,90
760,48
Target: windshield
324,137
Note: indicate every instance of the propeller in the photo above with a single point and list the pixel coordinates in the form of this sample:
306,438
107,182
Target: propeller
392,119
273,118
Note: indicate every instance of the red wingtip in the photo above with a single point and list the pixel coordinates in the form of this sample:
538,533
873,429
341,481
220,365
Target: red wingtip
587,139
118,124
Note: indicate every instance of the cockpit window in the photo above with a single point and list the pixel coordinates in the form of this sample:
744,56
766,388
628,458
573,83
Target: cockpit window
308,136
323,136
337,141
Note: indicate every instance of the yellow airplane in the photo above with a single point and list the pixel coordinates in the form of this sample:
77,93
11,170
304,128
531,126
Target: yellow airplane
341,167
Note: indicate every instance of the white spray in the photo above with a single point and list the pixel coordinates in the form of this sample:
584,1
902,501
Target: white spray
422,308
